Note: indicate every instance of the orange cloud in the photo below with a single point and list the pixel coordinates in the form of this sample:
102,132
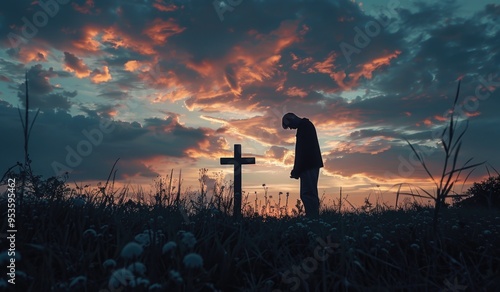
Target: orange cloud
278,155
365,71
294,91
303,62
74,64
150,71
265,129
132,65
369,67
252,60
173,95
212,147
159,30
88,43
440,118
162,6
338,117
472,114
324,67
204,68
98,76
116,38
32,54
258,56
85,8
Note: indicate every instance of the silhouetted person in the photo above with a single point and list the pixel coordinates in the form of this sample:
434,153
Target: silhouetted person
308,161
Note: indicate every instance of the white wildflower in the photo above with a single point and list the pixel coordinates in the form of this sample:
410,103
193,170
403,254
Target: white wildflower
109,264
169,246
78,282
89,233
415,246
188,239
121,278
155,287
350,239
142,282
131,250
175,276
193,260
78,202
143,239
137,268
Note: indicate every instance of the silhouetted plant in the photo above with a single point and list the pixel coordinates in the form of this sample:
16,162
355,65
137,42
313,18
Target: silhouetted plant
450,173
299,209
26,172
484,194
367,206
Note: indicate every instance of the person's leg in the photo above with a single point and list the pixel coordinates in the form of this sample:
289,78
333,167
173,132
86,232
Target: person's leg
309,192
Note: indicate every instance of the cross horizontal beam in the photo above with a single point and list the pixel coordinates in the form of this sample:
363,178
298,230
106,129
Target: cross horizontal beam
242,160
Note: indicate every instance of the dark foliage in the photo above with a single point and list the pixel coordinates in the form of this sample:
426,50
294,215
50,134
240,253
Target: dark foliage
484,194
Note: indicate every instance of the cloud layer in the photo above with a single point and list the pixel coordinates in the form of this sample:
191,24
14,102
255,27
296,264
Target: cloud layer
182,85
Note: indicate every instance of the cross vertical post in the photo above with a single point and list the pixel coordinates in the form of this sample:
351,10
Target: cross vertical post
237,161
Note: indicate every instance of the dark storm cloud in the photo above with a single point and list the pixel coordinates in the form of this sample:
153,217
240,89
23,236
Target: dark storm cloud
57,134
10,69
75,64
42,94
442,50
114,95
106,111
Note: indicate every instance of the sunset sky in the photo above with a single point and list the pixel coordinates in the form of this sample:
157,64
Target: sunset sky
175,84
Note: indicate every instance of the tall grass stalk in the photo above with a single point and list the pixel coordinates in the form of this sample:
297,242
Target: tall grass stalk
27,127
450,172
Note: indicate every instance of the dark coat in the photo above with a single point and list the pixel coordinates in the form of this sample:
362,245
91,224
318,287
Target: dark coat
307,152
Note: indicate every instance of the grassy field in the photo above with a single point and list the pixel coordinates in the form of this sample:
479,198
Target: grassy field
95,243
96,240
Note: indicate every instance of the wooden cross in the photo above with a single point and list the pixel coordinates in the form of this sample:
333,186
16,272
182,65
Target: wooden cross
237,161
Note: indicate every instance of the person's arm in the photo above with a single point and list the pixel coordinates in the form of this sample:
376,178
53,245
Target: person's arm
299,153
